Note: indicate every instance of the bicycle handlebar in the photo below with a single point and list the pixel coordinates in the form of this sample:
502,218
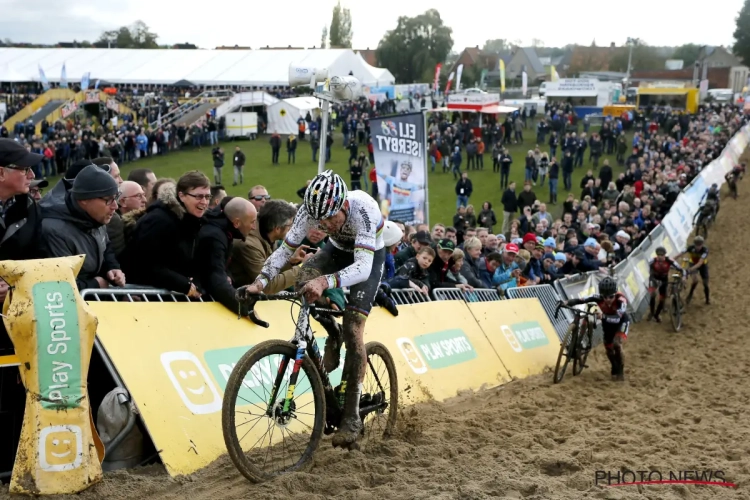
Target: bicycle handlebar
252,299
578,312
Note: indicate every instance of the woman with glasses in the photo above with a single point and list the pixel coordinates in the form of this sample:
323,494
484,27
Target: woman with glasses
161,250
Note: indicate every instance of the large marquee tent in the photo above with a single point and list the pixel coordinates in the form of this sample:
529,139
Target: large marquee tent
168,66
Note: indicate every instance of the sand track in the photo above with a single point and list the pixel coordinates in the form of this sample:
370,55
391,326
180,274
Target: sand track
684,406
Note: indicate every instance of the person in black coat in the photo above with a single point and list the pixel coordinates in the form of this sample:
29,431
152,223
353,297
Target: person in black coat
234,218
510,206
161,250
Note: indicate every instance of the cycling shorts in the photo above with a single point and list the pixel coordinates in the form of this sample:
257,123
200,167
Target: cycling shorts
612,330
703,272
330,259
660,285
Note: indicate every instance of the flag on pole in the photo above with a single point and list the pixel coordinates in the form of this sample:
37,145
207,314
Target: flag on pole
85,80
481,78
96,85
524,83
450,80
43,79
458,77
437,76
502,75
553,76
63,78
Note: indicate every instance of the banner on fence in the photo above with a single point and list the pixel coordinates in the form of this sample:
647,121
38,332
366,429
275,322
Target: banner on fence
400,162
178,377
68,109
91,96
581,285
113,105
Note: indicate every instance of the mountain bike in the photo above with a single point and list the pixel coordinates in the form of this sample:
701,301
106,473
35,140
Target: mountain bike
676,305
578,342
704,224
285,385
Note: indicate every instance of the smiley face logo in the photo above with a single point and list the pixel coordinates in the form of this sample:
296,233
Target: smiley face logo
191,381
412,356
60,448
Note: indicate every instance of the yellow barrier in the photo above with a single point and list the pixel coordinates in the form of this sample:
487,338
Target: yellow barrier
53,333
175,359
36,105
521,334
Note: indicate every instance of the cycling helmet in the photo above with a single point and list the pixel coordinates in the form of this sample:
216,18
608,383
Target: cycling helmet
698,240
661,251
325,195
607,287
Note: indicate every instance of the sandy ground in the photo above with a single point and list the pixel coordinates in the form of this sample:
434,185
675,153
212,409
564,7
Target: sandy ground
684,406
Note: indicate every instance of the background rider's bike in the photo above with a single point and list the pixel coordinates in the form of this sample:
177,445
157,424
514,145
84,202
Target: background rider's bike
676,305
704,224
578,342
281,400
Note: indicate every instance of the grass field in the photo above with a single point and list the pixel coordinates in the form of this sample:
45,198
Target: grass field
283,181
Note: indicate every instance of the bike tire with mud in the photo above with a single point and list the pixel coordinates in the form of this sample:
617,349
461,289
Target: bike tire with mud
579,363
236,379
378,349
675,313
561,365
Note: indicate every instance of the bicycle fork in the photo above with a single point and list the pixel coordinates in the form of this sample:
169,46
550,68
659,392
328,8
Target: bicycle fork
289,398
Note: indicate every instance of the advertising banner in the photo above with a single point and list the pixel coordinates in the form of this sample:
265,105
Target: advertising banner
401,165
177,379
113,105
91,96
379,93
580,285
53,330
520,333
68,109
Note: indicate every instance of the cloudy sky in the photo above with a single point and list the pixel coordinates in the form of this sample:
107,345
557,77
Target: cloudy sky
299,22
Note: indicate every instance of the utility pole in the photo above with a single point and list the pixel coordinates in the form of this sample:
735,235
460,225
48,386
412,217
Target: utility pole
631,42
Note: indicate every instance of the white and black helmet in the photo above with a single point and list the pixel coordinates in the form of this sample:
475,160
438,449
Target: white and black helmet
325,195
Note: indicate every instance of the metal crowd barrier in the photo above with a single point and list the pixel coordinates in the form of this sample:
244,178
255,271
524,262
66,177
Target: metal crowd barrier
478,295
139,294
404,296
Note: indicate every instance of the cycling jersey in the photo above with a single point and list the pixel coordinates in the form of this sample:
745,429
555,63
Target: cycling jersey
660,269
361,235
615,319
696,255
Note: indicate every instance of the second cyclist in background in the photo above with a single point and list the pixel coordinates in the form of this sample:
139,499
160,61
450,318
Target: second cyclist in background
659,268
697,254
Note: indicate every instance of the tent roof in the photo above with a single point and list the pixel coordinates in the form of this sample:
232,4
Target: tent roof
201,67
304,102
9,75
382,75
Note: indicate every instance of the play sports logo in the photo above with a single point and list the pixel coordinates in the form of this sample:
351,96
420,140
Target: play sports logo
192,382
60,448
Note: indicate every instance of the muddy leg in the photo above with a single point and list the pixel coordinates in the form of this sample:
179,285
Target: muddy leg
354,366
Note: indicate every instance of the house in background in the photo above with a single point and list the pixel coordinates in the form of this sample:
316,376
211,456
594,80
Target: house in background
369,56
717,57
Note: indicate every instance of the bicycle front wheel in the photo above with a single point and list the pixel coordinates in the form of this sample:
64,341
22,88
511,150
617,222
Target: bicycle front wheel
567,351
379,403
259,427
675,311
585,342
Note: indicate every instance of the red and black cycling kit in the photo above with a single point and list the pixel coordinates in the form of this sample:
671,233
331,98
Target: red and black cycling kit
615,319
660,274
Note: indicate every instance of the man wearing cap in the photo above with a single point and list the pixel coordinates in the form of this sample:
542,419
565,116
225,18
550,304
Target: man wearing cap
419,240
78,226
20,217
507,273
35,189
442,264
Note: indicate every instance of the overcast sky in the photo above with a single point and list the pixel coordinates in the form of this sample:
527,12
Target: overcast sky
299,22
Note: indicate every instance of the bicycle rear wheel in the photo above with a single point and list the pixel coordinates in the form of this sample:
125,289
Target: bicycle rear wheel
675,311
262,372
379,404
567,351
585,342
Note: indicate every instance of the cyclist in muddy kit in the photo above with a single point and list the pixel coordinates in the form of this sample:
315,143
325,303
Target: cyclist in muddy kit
615,322
355,258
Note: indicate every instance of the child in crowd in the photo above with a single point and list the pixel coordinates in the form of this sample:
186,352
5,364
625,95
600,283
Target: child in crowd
414,272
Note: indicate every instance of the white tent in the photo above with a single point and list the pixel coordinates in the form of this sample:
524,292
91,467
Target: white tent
283,116
245,100
383,77
9,75
167,66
